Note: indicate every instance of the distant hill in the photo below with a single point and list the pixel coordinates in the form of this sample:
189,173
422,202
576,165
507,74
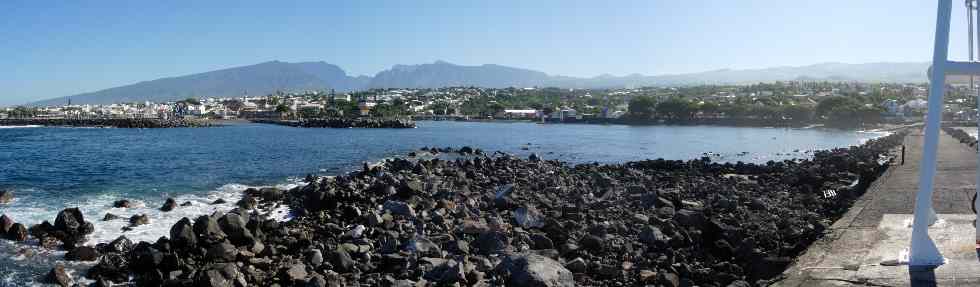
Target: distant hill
258,79
268,77
443,74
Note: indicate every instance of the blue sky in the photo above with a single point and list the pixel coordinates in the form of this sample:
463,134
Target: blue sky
50,50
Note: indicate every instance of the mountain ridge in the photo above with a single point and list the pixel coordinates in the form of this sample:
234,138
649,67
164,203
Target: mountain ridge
267,77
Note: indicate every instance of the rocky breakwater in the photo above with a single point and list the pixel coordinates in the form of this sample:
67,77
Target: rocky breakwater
344,123
961,136
482,220
110,123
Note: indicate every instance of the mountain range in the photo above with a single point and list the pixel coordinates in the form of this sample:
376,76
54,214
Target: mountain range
268,77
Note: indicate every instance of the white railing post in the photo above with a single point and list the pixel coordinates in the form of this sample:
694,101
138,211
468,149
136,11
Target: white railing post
976,204
923,251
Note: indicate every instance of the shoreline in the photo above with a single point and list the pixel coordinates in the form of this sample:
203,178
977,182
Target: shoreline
754,123
341,123
133,123
399,192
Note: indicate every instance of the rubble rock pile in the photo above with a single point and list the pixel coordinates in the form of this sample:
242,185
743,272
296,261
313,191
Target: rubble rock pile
481,220
344,123
112,123
961,136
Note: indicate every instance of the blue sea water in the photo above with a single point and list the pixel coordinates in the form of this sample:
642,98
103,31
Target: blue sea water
53,168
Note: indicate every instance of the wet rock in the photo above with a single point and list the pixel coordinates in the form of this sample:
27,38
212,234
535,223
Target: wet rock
139,219
111,266
59,276
6,196
169,205
119,245
270,193
82,253
5,224
122,203
70,220
17,232
535,270
219,201
247,203
110,216
186,203
182,234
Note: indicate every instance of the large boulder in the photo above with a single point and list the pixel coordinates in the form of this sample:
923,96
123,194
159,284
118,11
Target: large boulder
17,232
207,229
69,219
5,224
234,225
139,219
169,205
122,203
532,270
182,234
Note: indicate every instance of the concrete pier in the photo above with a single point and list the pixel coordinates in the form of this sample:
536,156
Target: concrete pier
863,247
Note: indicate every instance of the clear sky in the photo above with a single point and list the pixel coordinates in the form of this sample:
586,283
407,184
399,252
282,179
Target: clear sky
52,49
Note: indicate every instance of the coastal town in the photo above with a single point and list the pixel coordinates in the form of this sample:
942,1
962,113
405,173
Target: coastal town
792,102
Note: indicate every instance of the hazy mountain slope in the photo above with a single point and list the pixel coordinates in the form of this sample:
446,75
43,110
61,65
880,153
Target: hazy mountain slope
259,79
265,78
443,74
333,76
870,72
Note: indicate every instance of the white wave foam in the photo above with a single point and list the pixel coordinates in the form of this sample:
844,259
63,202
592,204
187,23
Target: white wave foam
30,257
20,127
160,222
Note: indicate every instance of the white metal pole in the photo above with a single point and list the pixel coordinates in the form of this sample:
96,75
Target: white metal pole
923,251
976,205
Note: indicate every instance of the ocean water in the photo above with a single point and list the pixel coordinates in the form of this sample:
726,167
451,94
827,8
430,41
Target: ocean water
54,168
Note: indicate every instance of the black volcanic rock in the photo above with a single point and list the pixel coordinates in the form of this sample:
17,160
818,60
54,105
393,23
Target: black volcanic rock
169,205
405,221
